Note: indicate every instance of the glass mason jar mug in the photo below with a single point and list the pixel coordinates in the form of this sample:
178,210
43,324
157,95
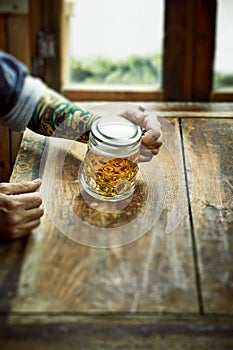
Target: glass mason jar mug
110,165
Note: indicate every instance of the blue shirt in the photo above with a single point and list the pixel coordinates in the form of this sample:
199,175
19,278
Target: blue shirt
19,93
12,75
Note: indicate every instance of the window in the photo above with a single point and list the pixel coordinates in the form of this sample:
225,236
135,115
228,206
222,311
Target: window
116,49
223,70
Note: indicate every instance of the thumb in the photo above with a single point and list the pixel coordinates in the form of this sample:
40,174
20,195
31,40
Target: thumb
22,187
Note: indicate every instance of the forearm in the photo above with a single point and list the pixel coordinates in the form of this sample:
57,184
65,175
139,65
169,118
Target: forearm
25,101
56,116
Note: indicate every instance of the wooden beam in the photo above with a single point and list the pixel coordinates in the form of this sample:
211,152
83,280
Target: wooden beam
188,49
178,45
52,12
84,94
35,24
203,52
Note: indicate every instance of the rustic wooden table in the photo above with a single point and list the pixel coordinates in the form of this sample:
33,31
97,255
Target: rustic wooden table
165,290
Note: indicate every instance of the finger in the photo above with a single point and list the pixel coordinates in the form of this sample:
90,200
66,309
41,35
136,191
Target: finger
145,158
21,230
152,136
11,235
33,214
151,144
28,200
28,226
22,187
147,154
153,148
150,122
150,152
136,116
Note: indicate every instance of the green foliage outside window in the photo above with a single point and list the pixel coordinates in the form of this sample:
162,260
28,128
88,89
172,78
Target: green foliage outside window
223,80
133,70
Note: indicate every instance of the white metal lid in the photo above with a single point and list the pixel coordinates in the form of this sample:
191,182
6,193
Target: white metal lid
116,131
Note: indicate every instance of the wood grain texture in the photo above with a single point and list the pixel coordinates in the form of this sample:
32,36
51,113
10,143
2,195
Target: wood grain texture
16,138
59,275
209,145
115,332
57,294
28,159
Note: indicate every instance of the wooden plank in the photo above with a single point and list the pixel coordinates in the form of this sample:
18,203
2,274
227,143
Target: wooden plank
185,110
16,138
52,332
209,145
12,253
192,109
28,159
111,94
155,273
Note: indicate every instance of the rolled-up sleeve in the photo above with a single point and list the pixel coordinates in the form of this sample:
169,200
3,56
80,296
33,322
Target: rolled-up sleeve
19,93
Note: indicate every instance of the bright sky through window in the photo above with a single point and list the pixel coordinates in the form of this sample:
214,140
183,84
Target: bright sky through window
117,30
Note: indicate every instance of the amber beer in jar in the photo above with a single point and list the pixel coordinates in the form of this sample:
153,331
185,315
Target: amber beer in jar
110,165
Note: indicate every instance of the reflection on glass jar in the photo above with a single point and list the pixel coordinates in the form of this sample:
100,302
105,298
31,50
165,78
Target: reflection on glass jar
111,163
